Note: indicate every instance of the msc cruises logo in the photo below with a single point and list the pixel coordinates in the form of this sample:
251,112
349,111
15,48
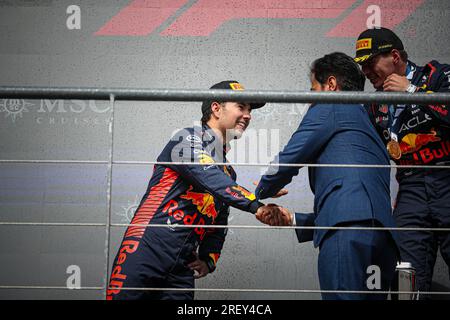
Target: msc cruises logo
14,108
53,112
129,210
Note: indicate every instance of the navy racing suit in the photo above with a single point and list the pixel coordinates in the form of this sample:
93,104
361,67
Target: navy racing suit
197,192
423,200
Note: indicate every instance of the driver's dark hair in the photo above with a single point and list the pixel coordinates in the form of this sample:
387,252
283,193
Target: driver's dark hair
207,112
348,74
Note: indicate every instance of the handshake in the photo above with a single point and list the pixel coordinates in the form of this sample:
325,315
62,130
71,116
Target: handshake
274,215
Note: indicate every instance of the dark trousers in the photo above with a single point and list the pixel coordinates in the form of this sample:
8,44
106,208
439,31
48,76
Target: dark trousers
346,255
152,266
423,201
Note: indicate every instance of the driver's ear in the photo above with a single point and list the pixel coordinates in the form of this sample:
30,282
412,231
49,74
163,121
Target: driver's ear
396,57
216,108
332,83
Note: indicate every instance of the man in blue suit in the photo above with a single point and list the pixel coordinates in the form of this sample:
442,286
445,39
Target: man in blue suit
344,196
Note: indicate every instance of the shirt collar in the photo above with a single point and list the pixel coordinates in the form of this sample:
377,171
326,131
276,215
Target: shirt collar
410,69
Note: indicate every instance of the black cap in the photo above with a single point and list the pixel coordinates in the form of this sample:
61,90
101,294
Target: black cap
232,85
374,41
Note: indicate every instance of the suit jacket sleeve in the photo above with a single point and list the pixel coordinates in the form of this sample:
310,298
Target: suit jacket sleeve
306,220
314,131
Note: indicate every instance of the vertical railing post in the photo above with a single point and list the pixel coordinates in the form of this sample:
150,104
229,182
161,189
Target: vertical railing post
109,193
404,281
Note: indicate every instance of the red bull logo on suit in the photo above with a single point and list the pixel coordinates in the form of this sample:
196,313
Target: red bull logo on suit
204,202
413,142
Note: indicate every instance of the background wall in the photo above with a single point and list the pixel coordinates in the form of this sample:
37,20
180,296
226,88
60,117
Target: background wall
264,44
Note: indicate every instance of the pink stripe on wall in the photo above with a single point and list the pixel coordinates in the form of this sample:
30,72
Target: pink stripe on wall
140,17
206,16
392,14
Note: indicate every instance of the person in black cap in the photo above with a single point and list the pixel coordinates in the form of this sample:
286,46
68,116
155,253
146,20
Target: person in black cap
413,135
196,192
209,106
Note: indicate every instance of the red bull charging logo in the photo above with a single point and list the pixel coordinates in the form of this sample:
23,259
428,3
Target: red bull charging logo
204,202
413,142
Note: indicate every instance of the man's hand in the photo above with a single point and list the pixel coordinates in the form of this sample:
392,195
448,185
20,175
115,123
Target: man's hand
280,193
274,215
396,83
199,266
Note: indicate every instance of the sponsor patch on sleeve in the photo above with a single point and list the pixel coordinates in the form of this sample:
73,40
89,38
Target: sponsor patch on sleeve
214,257
247,194
193,138
205,158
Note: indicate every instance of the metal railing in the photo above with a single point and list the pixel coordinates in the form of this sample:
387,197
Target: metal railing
114,94
223,95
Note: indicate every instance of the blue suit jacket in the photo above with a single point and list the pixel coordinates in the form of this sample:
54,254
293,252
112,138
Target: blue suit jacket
336,134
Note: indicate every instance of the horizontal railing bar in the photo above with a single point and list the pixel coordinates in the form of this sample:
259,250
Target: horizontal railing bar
51,288
230,290
173,226
53,224
250,164
24,161
284,290
343,97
